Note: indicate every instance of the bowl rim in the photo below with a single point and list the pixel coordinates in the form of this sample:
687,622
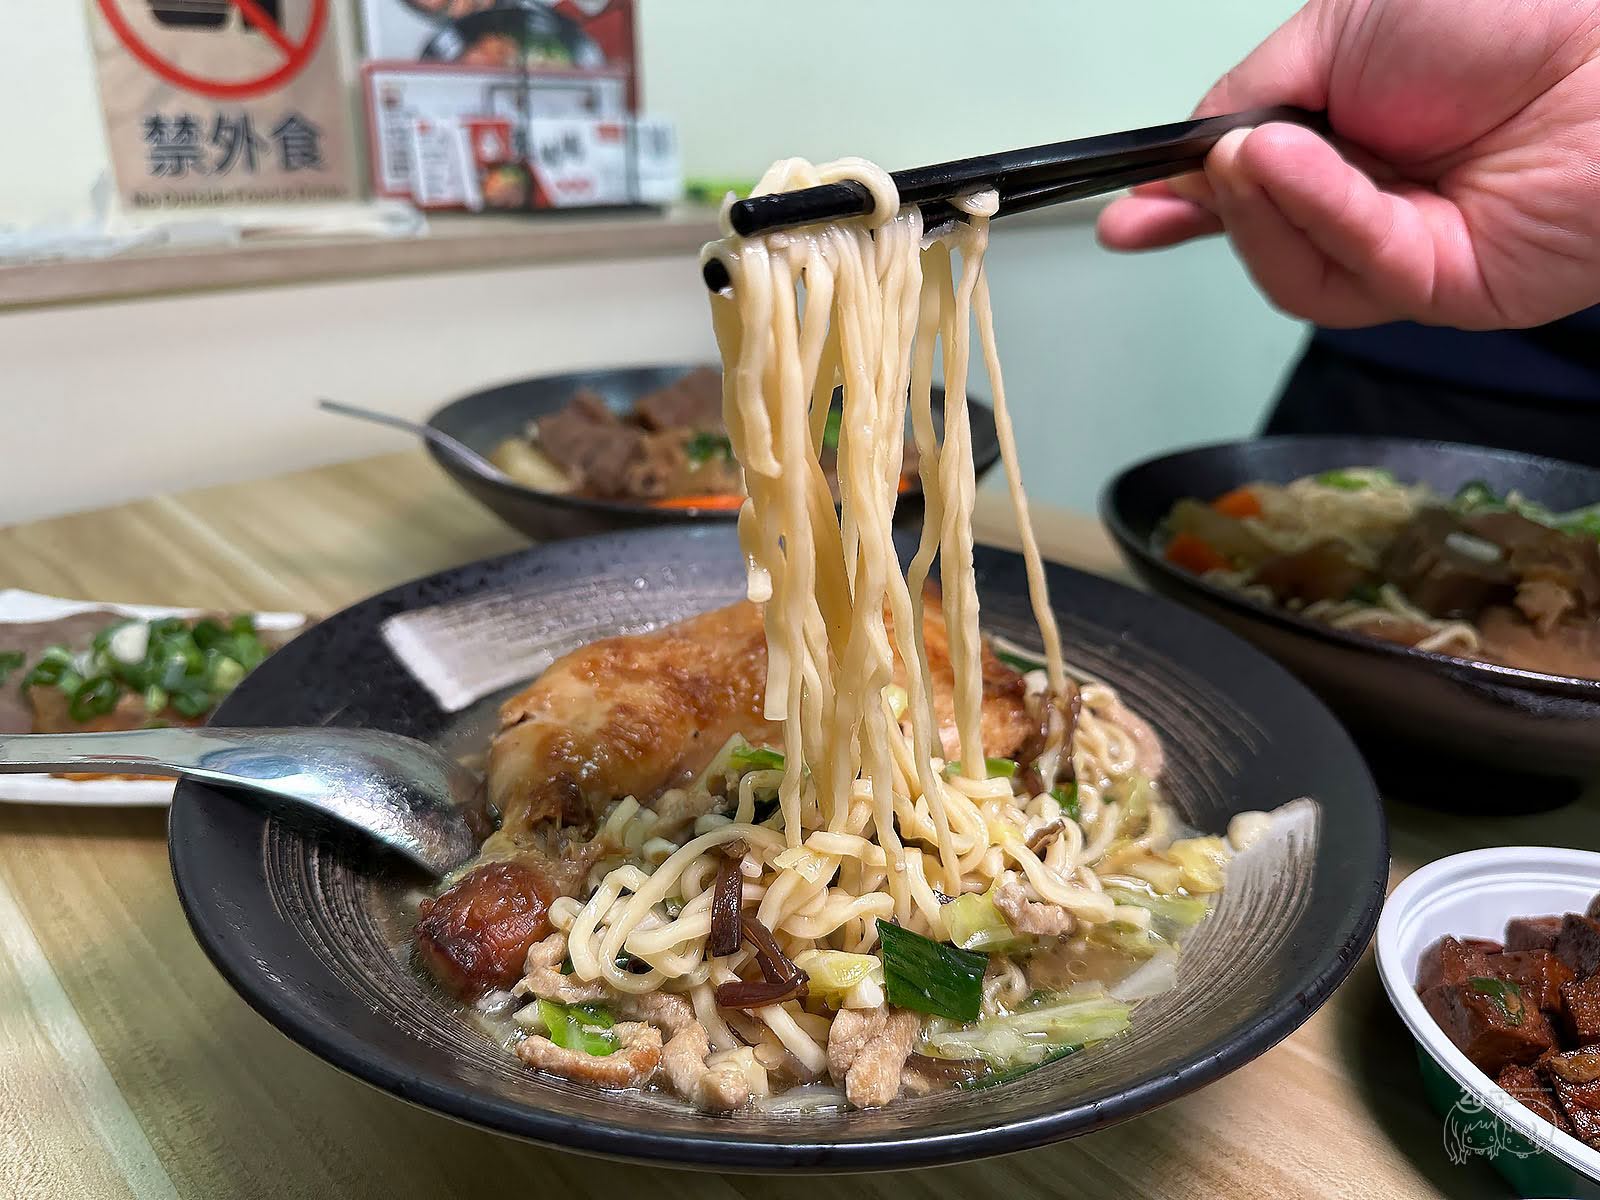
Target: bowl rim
715,1150
1487,673
627,508
1397,984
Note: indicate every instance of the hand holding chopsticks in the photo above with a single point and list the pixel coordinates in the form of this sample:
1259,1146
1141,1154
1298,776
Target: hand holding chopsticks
1025,179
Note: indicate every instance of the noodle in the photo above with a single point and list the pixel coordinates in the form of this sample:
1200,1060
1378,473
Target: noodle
871,823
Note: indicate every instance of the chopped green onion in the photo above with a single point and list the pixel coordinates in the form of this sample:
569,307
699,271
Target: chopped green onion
1345,481
928,976
1506,995
187,668
994,768
52,664
1066,795
1475,495
1017,662
703,447
225,674
755,758
831,428
191,704
95,698
207,633
581,1027
10,660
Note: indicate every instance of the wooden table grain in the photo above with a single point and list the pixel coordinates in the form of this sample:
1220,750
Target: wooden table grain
128,1068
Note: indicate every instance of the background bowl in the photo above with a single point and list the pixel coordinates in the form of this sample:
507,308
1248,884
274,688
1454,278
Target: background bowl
315,933
1522,720
485,419
1473,895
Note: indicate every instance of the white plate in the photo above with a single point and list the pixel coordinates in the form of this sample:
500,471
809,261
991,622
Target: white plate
1474,895
20,607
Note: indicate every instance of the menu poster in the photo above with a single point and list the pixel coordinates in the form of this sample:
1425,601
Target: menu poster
211,102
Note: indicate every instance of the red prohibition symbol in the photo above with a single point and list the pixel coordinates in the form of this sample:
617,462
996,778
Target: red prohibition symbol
296,54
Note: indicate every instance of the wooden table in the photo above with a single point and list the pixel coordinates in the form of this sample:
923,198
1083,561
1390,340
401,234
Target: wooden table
129,1068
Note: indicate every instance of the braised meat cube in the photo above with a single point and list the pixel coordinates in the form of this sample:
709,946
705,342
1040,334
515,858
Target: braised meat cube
1594,908
1487,945
476,935
1450,960
1444,569
693,402
1324,571
1539,974
1532,933
1575,1078
1578,944
1490,1021
1580,1009
1528,1086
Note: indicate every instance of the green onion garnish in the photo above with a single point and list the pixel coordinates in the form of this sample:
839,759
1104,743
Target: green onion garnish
1066,795
703,447
188,668
756,758
95,698
1475,495
582,1027
928,976
995,768
1018,663
1506,995
10,660
831,428
1343,480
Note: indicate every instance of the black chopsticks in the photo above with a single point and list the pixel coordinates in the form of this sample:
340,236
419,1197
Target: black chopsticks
1025,179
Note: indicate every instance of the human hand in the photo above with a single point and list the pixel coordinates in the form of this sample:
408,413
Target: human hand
1468,192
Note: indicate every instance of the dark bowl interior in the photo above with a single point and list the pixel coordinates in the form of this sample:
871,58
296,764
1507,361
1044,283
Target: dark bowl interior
485,419
314,931
1523,721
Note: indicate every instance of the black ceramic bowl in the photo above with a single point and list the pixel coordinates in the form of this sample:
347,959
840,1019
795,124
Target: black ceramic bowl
1521,720
314,933
485,419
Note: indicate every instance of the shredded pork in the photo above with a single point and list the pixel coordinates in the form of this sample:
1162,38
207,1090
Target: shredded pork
867,1052
1030,916
720,1088
632,1064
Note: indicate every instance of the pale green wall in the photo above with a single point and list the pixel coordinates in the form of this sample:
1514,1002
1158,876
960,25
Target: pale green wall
1108,358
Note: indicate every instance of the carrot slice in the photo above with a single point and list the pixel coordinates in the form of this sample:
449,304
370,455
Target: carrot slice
721,502
1194,554
1240,503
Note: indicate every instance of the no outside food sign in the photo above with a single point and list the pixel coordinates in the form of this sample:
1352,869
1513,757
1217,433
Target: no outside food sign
222,101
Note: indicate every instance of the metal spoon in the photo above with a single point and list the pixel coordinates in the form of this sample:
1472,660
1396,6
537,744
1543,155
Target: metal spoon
399,791
454,447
